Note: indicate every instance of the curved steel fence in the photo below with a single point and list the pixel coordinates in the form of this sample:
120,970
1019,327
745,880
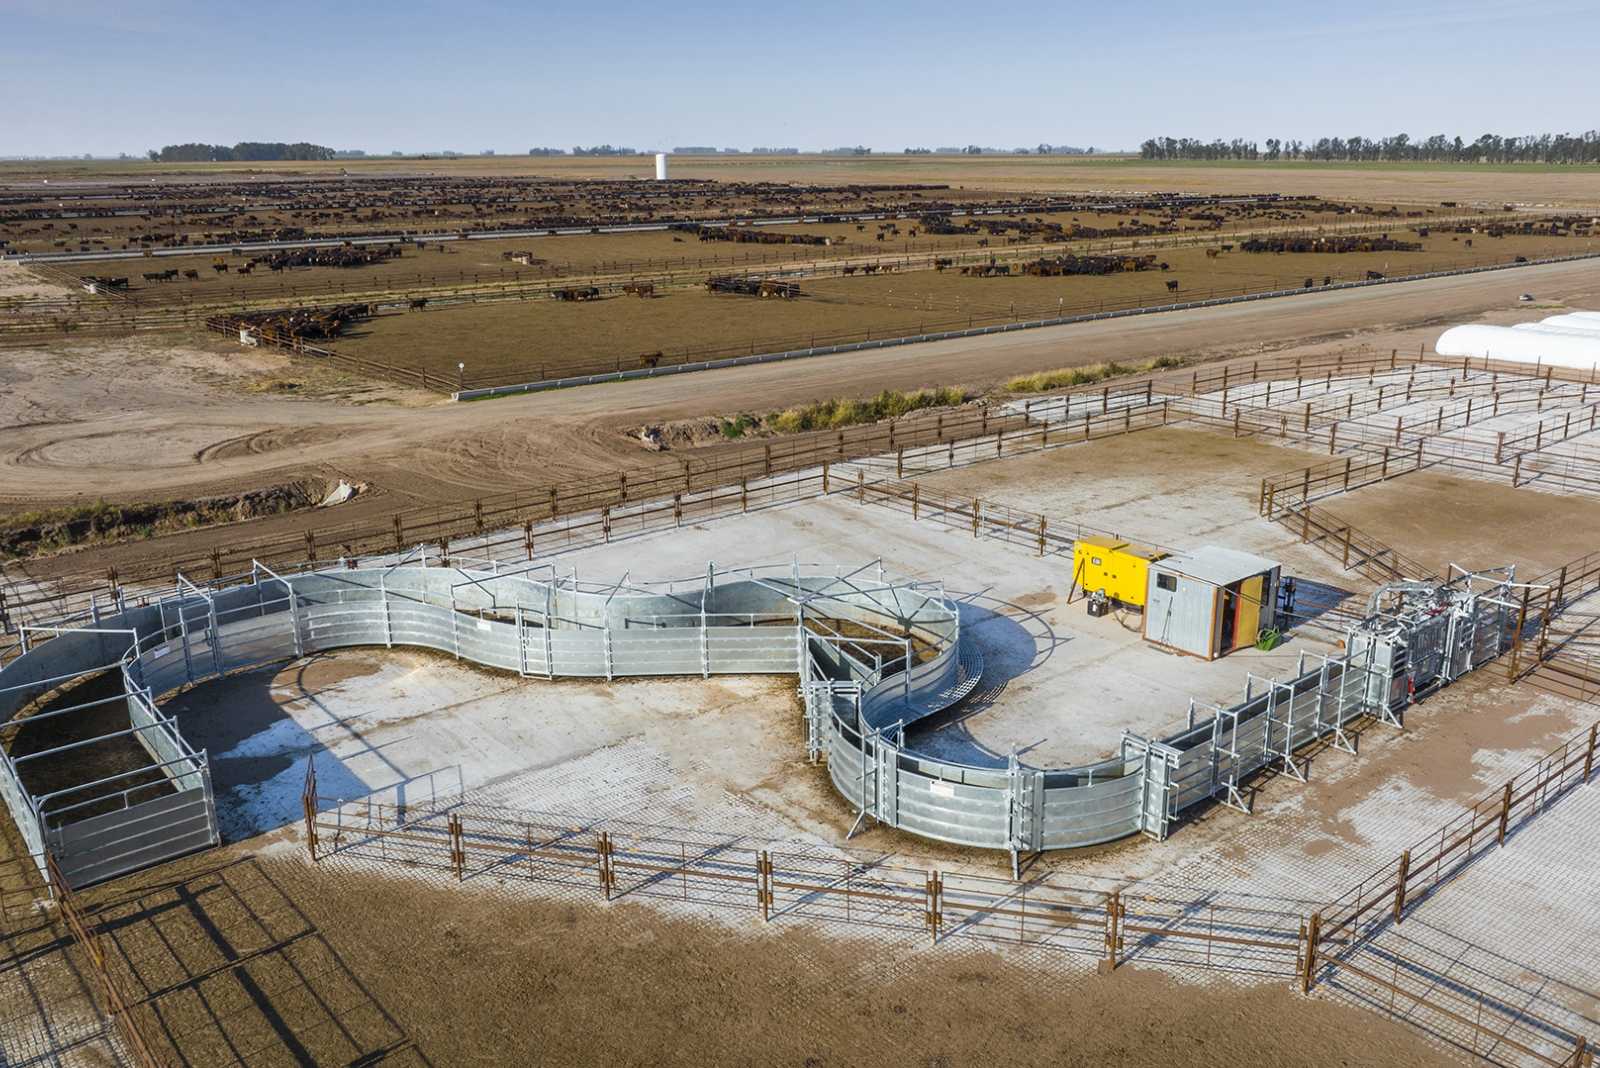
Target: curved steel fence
873,654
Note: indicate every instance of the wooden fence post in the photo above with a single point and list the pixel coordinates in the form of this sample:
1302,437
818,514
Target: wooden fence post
933,891
603,864
308,801
1309,966
1113,938
1505,815
1400,886
764,884
458,849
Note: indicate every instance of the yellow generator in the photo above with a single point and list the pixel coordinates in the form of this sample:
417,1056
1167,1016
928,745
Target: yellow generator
1117,571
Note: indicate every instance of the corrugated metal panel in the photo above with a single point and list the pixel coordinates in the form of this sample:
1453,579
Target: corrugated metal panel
147,833
1180,618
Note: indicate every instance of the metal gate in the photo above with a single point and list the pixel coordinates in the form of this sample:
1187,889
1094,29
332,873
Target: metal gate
1158,767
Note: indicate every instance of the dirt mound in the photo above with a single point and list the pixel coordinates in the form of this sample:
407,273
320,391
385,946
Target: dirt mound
40,533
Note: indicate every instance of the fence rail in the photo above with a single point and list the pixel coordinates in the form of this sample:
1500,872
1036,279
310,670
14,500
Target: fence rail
1109,921
611,370
1090,411
784,882
117,1003
1389,894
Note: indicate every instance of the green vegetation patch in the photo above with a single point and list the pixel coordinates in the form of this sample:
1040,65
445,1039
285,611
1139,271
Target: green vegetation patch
1086,375
842,412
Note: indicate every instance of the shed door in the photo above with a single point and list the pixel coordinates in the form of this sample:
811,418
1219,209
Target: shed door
1247,616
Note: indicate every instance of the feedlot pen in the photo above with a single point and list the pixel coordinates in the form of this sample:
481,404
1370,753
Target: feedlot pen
1366,414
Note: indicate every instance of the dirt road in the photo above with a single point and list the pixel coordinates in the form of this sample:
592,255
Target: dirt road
146,419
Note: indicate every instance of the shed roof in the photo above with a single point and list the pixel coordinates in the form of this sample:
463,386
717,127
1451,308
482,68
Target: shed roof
1216,565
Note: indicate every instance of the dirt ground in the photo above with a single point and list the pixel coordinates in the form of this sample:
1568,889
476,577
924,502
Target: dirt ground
1405,183
155,418
241,955
1145,483
62,771
464,262
519,341
1488,524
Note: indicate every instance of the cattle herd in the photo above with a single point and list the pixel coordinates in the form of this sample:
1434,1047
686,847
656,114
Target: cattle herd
753,287
1335,243
172,215
299,324
746,235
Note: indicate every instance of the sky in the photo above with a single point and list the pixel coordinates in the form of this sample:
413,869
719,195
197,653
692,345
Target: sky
108,76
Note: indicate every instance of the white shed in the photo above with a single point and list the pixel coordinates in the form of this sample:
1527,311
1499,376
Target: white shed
1210,602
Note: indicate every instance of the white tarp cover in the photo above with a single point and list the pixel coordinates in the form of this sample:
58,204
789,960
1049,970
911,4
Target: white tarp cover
1592,330
1582,319
1557,346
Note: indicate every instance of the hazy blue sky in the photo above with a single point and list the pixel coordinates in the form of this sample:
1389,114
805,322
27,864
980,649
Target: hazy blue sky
101,76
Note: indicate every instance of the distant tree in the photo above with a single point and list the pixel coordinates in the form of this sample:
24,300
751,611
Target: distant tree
1438,148
249,151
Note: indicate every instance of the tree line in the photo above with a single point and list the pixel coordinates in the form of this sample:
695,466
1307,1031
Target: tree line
196,152
1490,148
